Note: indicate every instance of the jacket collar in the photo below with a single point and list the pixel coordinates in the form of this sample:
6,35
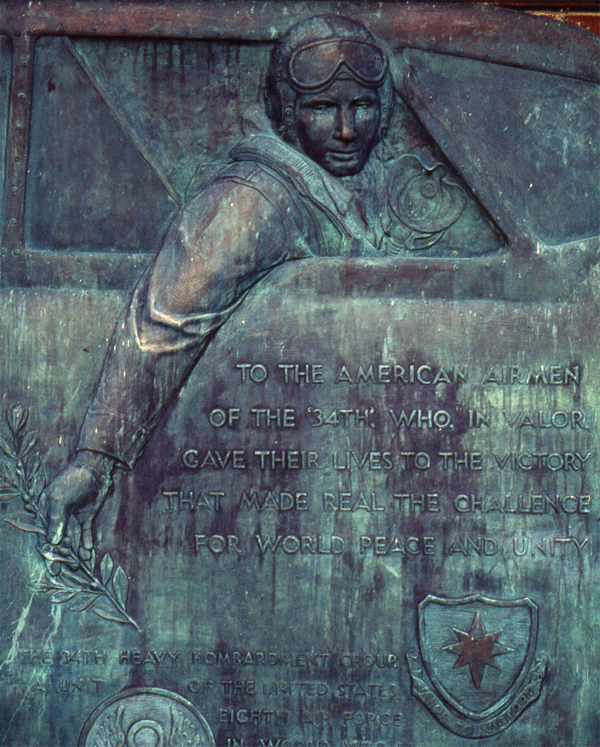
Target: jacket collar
337,195
310,179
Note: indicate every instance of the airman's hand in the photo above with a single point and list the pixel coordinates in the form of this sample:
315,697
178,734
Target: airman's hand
80,490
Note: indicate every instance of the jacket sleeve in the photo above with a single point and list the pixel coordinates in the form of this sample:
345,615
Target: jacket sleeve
224,242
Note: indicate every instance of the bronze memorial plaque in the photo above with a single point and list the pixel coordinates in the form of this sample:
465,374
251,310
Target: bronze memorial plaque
300,375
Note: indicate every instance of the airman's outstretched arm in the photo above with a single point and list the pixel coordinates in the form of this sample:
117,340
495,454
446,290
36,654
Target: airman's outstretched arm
224,242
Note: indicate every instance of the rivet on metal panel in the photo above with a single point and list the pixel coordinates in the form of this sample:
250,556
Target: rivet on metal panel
22,97
12,222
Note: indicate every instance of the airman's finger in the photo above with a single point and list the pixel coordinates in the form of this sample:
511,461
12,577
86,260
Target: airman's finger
87,538
57,521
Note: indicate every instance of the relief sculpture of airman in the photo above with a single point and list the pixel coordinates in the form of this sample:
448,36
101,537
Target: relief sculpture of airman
300,382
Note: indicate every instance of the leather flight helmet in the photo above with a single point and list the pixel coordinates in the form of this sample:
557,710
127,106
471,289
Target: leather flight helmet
312,54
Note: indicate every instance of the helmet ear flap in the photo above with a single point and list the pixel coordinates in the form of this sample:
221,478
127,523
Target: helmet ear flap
270,104
280,99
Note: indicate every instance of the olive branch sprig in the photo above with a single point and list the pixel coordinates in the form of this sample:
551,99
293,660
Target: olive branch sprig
70,576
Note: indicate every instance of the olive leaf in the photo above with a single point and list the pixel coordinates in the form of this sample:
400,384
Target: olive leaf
74,578
25,522
62,596
120,585
32,464
82,602
16,418
29,441
7,494
102,609
6,448
44,584
106,568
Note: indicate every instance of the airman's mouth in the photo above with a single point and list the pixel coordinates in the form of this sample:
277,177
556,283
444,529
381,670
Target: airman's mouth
344,155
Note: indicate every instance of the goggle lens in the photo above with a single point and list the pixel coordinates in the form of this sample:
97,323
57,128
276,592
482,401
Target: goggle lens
317,64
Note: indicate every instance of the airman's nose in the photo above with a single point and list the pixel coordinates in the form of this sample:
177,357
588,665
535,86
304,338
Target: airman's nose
346,124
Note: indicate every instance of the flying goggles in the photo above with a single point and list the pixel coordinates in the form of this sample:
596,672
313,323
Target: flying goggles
315,65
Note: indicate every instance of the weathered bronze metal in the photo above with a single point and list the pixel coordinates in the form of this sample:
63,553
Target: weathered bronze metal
300,373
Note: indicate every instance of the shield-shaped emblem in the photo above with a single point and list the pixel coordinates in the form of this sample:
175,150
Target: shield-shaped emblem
477,651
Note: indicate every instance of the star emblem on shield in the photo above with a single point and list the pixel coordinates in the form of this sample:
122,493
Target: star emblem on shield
474,670
477,648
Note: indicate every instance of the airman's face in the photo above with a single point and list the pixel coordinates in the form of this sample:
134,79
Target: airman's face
338,128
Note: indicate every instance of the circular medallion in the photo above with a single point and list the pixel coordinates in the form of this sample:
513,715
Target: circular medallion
146,717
